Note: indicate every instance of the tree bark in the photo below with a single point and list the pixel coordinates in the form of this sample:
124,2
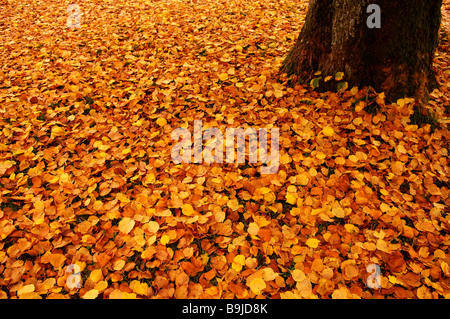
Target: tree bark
395,59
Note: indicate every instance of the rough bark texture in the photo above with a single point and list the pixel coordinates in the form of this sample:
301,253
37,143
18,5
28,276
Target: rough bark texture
395,59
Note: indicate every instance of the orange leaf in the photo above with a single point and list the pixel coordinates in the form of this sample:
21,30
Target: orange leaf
257,285
126,225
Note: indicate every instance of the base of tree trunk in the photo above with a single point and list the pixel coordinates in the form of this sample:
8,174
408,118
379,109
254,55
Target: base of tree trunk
395,59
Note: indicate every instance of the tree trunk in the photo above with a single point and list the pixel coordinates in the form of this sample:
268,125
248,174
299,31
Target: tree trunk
395,58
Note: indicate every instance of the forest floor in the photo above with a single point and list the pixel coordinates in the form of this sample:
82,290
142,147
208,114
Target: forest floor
93,206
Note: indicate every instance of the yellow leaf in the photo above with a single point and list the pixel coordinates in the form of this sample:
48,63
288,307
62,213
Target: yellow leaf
118,265
291,189
204,258
238,262
161,121
350,228
98,68
257,285
149,179
223,77
91,294
128,295
339,76
305,287
269,274
39,206
265,190
291,198
320,155
302,179
233,204
382,245
338,212
312,242
126,151
126,225
139,288
278,94
397,168
5,165
56,131
187,210
400,102
96,275
298,275
25,289
164,239
401,149
285,159
152,226
354,90
270,197
122,198
253,229
328,131
261,221
57,260
98,205
341,293
392,279
353,158
101,285
358,121
385,207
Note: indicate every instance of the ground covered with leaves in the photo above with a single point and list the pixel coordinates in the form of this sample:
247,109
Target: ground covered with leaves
87,181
